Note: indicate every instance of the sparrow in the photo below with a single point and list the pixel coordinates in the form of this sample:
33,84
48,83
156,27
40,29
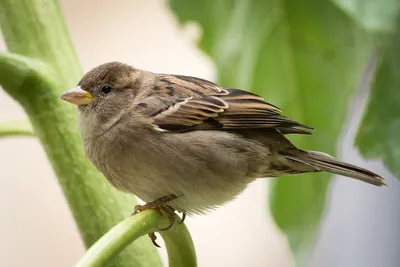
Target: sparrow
186,144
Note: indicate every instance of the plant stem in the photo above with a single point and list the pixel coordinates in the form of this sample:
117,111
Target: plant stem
34,31
178,241
11,128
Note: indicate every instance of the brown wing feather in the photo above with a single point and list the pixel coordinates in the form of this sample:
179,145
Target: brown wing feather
249,111
189,113
198,104
185,86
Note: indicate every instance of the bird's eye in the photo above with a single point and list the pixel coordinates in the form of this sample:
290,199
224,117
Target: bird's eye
106,89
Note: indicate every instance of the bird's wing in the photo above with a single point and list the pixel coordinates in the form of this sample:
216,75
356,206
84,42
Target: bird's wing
197,104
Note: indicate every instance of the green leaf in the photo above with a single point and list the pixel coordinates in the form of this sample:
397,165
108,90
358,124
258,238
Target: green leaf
377,17
307,57
378,135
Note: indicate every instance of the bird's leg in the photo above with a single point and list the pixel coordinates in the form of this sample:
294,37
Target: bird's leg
156,204
169,213
183,215
160,205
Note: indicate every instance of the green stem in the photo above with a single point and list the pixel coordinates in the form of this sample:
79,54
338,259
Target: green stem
11,128
180,248
177,239
41,64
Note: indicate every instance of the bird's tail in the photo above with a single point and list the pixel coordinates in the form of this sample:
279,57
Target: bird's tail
312,161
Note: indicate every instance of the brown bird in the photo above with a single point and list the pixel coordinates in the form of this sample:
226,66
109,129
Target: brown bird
186,143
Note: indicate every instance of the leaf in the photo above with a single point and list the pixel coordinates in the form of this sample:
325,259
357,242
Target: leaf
304,56
378,135
377,17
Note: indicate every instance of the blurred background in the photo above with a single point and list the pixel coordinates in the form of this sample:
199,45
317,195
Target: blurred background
360,224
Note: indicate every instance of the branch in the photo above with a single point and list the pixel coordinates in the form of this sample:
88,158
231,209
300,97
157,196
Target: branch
12,128
177,240
15,70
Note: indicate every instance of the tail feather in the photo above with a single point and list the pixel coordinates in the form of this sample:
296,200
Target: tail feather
313,161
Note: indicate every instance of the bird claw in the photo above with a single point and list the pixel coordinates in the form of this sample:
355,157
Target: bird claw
170,214
153,239
167,211
137,209
183,217
156,204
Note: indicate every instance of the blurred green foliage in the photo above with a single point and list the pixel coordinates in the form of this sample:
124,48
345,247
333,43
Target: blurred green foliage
308,57
379,132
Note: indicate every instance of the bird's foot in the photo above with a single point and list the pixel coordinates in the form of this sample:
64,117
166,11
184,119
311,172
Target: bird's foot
153,239
159,202
160,205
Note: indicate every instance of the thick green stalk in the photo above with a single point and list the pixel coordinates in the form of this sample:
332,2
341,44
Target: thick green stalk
42,65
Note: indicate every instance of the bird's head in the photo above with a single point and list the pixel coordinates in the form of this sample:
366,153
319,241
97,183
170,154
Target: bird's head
105,91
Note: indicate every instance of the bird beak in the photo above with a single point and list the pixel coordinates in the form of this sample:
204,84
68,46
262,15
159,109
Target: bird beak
77,96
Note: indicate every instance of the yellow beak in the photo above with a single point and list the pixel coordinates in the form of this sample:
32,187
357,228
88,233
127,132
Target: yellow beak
77,96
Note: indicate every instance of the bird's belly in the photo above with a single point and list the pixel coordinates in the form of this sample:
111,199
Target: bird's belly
202,174
197,193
